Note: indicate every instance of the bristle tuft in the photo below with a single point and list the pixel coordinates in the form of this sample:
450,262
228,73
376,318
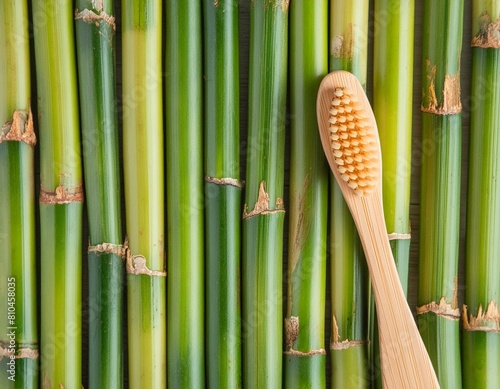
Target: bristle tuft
353,144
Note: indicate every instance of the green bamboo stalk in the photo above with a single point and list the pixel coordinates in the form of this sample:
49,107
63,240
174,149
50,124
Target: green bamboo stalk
481,317
185,205
95,30
61,194
438,312
304,324
18,314
392,106
222,194
263,214
349,274
144,192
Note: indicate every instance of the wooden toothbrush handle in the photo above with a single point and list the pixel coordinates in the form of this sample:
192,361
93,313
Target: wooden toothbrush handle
404,359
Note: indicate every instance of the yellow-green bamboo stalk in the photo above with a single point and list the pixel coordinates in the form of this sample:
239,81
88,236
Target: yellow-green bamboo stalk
481,315
349,274
440,188
18,296
61,194
144,192
392,106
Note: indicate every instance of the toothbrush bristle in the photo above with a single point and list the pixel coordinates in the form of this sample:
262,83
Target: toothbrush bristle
352,143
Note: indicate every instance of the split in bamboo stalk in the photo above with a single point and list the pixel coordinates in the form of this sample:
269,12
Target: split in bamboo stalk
95,30
349,274
305,353
263,213
144,192
222,195
438,312
61,194
185,197
481,315
18,316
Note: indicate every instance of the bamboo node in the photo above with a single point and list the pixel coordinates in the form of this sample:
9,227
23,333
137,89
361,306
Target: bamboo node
92,17
262,204
451,104
485,321
20,128
443,309
226,181
291,330
108,248
136,264
21,353
489,33
399,236
345,344
61,196
297,353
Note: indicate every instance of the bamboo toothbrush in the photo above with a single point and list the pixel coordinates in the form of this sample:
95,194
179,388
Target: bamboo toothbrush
350,140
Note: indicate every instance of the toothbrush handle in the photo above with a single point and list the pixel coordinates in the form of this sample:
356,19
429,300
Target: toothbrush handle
404,358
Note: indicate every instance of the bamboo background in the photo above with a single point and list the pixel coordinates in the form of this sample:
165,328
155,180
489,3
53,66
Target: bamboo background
417,150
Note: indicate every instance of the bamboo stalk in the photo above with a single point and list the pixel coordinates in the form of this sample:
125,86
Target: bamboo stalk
95,30
18,314
304,324
349,274
185,205
61,194
144,192
222,194
440,188
263,214
481,317
392,106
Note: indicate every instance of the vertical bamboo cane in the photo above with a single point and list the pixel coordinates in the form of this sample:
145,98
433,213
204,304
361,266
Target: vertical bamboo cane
185,194
95,30
61,194
222,195
18,316
481,316
440,188
263,213
392,106
144,192
304,324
